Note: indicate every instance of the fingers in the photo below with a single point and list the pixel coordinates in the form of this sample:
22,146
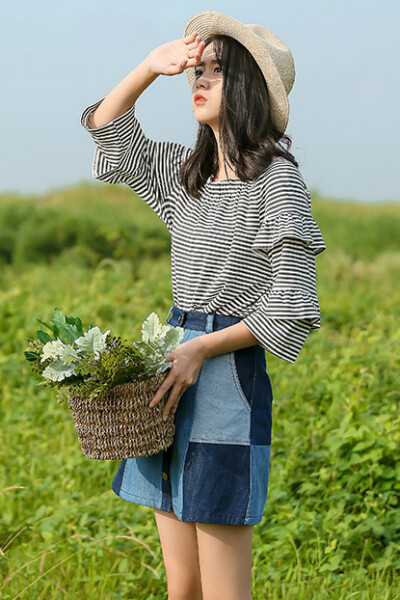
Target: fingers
162,390
195,56
173,401
196,44
173,398
195,47
192,62
190,37
198,49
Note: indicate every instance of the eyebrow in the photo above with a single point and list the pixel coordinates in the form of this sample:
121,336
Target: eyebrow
214,60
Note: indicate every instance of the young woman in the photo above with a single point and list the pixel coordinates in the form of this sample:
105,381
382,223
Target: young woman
243,246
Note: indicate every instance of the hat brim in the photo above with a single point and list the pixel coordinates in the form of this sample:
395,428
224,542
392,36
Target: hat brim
208,22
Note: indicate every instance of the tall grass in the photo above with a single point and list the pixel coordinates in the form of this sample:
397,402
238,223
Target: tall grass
331,527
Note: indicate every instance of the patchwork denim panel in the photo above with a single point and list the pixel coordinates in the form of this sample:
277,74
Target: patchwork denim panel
249,370
244,370
221,411
261,409
260,463
140,478
118,477
183,425
216,482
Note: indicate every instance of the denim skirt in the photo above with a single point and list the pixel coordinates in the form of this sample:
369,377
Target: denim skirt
217,469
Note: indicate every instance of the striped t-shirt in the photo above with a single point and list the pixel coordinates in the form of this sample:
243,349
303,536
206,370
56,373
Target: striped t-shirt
244,248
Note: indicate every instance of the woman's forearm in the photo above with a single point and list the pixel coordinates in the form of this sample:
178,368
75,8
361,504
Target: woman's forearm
171,58
124,95
225,340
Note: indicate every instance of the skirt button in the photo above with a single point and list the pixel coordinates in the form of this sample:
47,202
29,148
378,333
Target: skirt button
164,476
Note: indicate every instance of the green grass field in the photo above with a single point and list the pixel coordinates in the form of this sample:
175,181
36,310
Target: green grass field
331,526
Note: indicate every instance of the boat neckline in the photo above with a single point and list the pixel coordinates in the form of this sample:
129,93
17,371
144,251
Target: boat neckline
222,180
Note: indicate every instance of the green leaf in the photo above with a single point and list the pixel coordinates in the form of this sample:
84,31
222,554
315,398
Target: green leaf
31,356
48,325
79,327
59,315
43,336
65,334
76,324
123,566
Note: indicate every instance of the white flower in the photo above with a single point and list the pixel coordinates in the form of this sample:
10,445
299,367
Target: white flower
57,371
153,329
53,349
69,355
93,340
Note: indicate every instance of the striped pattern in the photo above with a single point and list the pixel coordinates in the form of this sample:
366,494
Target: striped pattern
245,248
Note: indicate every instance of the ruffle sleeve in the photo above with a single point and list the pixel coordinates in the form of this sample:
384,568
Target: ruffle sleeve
289,240
289,225
124,154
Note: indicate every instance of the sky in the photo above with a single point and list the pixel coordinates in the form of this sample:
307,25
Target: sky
57,58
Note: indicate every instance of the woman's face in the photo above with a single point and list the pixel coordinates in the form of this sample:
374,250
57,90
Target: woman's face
208,83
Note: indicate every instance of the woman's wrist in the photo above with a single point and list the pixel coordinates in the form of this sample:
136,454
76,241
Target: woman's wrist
228,339
148,64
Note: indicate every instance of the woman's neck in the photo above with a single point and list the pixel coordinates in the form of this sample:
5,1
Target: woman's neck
223,177
224,171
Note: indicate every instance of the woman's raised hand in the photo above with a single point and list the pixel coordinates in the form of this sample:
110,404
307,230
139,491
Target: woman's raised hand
174,57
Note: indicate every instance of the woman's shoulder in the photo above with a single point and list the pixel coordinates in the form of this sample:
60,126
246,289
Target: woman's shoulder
282,187
279,169
285,207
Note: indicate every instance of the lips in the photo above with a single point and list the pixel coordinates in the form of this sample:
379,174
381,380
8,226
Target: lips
199,97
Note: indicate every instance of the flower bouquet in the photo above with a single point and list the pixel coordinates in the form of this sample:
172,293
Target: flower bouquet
108,383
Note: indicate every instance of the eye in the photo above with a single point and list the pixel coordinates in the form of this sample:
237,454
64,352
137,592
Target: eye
197,72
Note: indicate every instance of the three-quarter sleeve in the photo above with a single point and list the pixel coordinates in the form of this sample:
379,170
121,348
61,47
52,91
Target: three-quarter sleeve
289,240
124,154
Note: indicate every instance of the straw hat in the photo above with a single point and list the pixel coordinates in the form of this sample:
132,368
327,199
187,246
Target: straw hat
271,54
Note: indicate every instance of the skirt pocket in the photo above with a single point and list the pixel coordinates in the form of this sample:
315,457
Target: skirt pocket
222,413
243,368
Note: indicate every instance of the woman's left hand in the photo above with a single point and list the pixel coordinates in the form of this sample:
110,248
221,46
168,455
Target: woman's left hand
187,361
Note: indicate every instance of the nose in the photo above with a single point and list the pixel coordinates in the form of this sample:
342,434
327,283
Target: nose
200,81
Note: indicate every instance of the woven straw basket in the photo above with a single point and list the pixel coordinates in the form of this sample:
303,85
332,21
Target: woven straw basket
120,424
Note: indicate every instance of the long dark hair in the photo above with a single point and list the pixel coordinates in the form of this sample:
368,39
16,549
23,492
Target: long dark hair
249,138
